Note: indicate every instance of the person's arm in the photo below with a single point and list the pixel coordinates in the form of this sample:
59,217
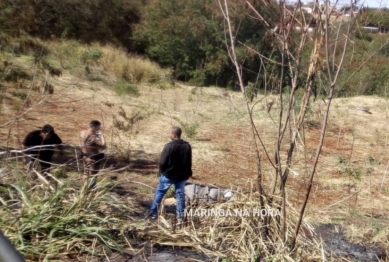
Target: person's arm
164,160
190,160
59,145
101,140
26,141
82,140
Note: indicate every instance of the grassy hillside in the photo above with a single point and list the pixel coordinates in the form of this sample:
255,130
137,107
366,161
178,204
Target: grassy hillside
137,103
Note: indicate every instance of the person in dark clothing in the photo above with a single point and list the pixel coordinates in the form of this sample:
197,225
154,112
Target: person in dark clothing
39,145
175,168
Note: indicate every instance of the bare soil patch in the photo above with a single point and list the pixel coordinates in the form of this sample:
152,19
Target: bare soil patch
352,194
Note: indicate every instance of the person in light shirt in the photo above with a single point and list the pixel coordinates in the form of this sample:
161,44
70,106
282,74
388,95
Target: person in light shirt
91,141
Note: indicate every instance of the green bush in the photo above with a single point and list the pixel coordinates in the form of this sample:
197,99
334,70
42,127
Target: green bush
190,129
125,88
90,55
198,77
363,35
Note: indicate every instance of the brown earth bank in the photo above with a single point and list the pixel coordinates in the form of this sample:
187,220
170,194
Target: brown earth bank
350,188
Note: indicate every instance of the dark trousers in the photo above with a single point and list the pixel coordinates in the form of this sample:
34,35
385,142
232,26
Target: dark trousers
44,159
92,163
91,166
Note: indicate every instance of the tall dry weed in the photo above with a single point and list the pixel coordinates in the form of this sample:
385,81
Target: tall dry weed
43,223
75,56
132,68
65,51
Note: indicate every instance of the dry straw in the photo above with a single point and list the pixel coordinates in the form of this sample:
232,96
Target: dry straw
238,236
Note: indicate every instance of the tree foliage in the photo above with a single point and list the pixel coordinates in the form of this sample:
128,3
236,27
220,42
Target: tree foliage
188,35
375,17
87,21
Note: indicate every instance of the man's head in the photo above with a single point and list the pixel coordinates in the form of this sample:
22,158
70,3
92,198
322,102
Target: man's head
175,133
47,131
95,125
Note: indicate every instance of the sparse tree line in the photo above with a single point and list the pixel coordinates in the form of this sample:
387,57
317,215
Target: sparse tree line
375,17
189,37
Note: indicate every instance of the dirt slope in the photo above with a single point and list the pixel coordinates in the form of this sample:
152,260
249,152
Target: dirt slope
351,184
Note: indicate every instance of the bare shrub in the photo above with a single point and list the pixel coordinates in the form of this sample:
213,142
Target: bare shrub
295,95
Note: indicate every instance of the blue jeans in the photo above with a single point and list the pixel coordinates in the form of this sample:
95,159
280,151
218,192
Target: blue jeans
163,187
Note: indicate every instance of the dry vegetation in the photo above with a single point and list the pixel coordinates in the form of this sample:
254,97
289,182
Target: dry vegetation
350,189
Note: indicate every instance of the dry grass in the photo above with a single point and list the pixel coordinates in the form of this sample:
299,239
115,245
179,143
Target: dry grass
133,68
113,63
222,152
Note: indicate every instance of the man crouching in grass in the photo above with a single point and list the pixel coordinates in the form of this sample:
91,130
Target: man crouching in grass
39,145
175,168
92,140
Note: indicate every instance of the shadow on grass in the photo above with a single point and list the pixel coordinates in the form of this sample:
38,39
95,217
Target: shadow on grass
143,163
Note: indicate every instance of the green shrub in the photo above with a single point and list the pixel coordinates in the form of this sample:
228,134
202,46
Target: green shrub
372,160
363,35
125,88
251,91
351,172
190,129
198,77
90,55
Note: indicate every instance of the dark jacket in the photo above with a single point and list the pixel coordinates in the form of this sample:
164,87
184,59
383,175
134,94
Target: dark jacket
176,160
34,139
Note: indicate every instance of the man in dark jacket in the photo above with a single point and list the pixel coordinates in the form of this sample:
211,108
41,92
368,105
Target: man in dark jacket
175,169
39,145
